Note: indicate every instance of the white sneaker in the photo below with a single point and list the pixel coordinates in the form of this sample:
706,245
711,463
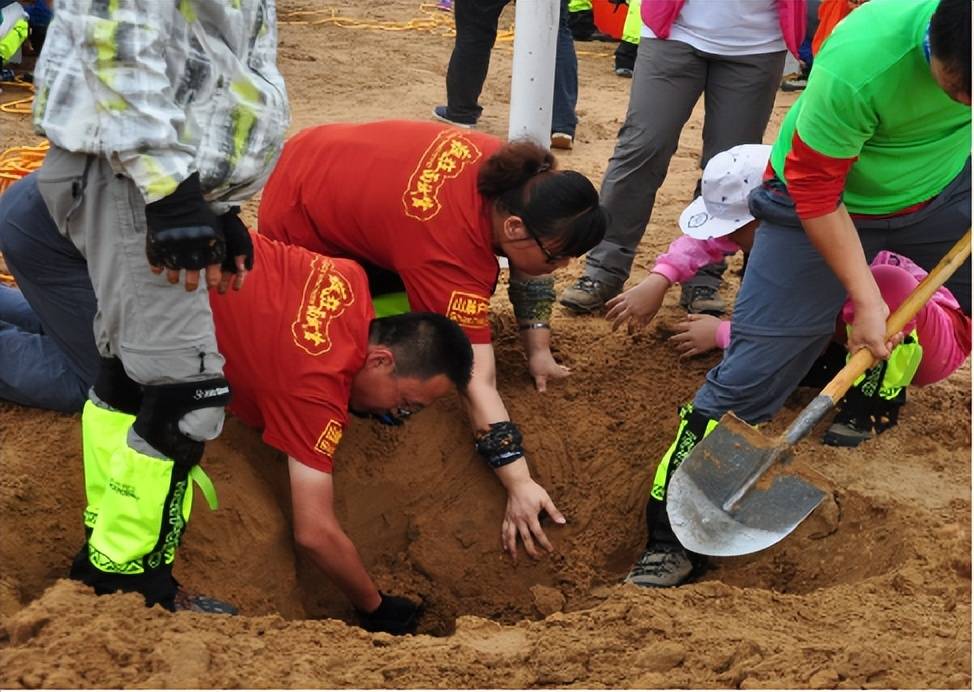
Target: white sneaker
561,140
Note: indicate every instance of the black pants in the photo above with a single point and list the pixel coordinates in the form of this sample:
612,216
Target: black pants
476,24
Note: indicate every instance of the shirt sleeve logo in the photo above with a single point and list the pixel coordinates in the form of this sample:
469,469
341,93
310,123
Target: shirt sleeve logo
444,159
330,437
327,293
468,309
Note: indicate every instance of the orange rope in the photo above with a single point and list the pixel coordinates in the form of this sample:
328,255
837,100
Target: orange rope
434,21
17,162
19,106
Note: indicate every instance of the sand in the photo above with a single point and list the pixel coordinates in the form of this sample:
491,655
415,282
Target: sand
873,590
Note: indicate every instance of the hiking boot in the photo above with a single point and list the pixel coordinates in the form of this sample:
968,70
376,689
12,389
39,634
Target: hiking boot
702,300
441,113
662,565
624,72
586,295
196,603
796,82
861,417
562,140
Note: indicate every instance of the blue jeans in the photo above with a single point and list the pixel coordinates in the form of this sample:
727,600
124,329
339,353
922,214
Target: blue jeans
48,357
476,24
563,117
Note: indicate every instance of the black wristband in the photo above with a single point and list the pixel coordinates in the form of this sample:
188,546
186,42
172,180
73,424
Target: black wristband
501,445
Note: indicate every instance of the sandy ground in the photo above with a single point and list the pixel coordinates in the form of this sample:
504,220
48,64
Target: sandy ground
874,590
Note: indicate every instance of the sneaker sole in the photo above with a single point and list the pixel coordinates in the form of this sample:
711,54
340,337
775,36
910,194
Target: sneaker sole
451,122
839,435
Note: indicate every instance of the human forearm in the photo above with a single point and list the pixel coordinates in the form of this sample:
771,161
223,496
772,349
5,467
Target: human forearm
836,239
838,242
334,554
481,398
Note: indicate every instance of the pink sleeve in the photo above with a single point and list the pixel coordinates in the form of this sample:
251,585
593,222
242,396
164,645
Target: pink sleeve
722,335
686,255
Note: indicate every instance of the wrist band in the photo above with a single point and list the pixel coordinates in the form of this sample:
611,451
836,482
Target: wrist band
500,445
534,325
532,299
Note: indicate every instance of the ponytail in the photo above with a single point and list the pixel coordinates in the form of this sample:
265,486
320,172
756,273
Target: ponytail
522,179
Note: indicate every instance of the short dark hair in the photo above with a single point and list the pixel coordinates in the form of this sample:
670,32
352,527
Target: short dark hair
950,39
521,178
425,345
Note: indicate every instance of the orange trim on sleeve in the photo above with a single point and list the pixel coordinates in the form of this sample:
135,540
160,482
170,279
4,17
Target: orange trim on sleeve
815,181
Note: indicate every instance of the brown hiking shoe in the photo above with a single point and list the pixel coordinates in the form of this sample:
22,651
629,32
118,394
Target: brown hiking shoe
586,295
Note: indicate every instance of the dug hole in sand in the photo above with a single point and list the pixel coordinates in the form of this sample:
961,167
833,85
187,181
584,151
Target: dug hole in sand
873,590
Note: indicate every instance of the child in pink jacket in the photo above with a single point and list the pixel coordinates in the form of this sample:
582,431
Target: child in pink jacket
937,341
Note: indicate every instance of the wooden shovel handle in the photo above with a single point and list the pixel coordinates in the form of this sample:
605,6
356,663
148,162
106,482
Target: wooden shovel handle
863,358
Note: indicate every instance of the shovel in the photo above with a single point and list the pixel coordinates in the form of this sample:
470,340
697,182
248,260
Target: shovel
730,495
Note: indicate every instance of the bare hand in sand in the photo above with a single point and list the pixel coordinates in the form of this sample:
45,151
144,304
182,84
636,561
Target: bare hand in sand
639,304
543,367
696,335
525,501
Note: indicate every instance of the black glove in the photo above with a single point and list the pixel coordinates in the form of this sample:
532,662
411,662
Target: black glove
238,241
183,232
395,615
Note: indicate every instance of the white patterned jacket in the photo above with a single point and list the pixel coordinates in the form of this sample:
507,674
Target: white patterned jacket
163,88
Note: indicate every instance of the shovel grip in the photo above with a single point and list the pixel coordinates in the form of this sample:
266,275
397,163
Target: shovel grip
863,359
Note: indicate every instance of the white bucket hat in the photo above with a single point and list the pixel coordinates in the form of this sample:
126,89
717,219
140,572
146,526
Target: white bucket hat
727,181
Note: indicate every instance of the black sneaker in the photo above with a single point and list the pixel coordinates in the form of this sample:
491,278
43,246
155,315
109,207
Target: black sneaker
702,300
796,83
440,113
662,565
861,417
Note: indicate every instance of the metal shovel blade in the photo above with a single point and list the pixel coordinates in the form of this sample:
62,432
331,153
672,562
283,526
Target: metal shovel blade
718,502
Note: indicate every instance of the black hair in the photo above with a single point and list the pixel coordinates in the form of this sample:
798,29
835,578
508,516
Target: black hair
950,40
425,345
522,179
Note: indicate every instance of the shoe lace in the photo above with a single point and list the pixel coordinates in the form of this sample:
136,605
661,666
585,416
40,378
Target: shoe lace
588,284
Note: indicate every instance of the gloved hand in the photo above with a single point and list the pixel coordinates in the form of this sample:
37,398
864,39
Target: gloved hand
240,250
395,615
184,234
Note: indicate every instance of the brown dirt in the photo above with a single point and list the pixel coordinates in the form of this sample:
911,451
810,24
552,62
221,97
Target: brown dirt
874,590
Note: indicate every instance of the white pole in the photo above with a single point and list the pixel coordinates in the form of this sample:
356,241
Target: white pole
533,71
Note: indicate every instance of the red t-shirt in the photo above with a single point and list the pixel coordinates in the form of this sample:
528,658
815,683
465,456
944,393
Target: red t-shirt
399,195
293,337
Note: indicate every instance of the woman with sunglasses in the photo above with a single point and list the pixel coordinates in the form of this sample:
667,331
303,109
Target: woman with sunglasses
427,208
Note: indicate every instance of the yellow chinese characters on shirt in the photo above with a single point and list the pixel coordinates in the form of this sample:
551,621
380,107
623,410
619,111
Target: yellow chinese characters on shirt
327,293
329,438
468,309
444,159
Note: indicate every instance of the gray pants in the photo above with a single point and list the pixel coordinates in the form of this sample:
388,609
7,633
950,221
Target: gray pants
668,80
161,333
789,298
